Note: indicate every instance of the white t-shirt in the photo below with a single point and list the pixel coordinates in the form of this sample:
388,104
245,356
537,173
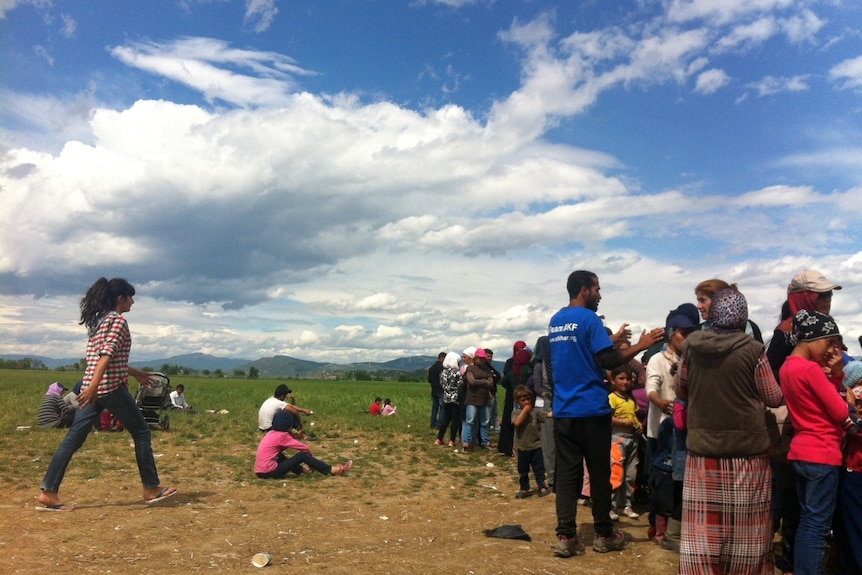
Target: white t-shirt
178,399
267,411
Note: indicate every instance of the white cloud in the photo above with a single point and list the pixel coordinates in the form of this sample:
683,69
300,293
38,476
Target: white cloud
745,35
260,13
721,11
711,81
848,74
770,85
70,26
329,227
240,77
9,5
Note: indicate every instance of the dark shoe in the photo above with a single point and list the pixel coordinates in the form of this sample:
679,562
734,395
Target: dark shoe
670,544
613,542
522,494
568,547
544,492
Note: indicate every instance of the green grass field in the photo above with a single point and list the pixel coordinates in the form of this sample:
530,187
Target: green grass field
225,441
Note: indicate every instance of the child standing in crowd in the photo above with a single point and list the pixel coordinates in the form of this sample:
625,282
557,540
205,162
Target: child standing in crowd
661,369
626,430
820,419
528,442
848,516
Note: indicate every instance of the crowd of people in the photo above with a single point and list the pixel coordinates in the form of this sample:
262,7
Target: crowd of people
731,440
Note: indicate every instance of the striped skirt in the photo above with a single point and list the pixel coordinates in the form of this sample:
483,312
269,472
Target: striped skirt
726,517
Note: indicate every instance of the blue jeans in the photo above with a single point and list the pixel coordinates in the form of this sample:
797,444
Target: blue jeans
531,459
292,464
476,414
817,489
437,408
122,405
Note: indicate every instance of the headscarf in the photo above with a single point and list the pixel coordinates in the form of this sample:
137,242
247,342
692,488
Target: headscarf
522,358
811,326
56,388
451,360
728,312
797,301
519,345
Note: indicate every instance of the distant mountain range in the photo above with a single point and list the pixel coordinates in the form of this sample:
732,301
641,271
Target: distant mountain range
277,366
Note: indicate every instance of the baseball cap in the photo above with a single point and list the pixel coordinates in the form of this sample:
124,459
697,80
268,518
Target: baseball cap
811,280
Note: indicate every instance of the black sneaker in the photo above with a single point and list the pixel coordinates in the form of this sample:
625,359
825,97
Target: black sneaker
568,547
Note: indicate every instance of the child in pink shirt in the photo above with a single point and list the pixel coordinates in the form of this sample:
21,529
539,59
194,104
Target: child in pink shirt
271,463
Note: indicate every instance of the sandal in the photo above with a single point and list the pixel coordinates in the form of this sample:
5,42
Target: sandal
522,494
544,492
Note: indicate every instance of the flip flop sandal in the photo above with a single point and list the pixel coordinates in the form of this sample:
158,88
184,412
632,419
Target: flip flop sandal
163,494
57,507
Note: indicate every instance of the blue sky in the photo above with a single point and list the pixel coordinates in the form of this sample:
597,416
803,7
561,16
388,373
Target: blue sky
358,181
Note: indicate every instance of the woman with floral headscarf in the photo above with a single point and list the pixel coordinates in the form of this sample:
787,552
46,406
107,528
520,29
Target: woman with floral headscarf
727,493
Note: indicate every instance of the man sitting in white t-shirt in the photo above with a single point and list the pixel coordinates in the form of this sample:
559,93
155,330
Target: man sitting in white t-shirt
275,404
178,399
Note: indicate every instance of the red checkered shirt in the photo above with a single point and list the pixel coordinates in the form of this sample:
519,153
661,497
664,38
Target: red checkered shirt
112,338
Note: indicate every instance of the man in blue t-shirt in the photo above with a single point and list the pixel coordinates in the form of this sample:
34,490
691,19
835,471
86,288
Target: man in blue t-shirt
581,352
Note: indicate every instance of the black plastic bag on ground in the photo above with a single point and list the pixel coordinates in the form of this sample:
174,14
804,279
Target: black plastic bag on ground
508,532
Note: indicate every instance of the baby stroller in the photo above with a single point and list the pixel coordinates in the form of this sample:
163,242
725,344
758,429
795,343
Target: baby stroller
155,400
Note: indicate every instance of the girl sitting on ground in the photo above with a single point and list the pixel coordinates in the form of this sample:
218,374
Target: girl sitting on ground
271,463
388,408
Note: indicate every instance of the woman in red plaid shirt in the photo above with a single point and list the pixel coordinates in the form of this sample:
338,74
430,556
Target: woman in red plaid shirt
106,386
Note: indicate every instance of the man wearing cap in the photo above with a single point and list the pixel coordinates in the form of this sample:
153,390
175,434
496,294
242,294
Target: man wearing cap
581,351
808,290
277,403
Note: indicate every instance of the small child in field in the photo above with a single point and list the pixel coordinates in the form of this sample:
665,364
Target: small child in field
626,430
388,408
528,442
848,517
375,407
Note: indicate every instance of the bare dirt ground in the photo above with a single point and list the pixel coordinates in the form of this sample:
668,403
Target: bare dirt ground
403,508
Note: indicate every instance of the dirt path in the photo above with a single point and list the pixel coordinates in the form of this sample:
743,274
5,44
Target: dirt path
400,510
